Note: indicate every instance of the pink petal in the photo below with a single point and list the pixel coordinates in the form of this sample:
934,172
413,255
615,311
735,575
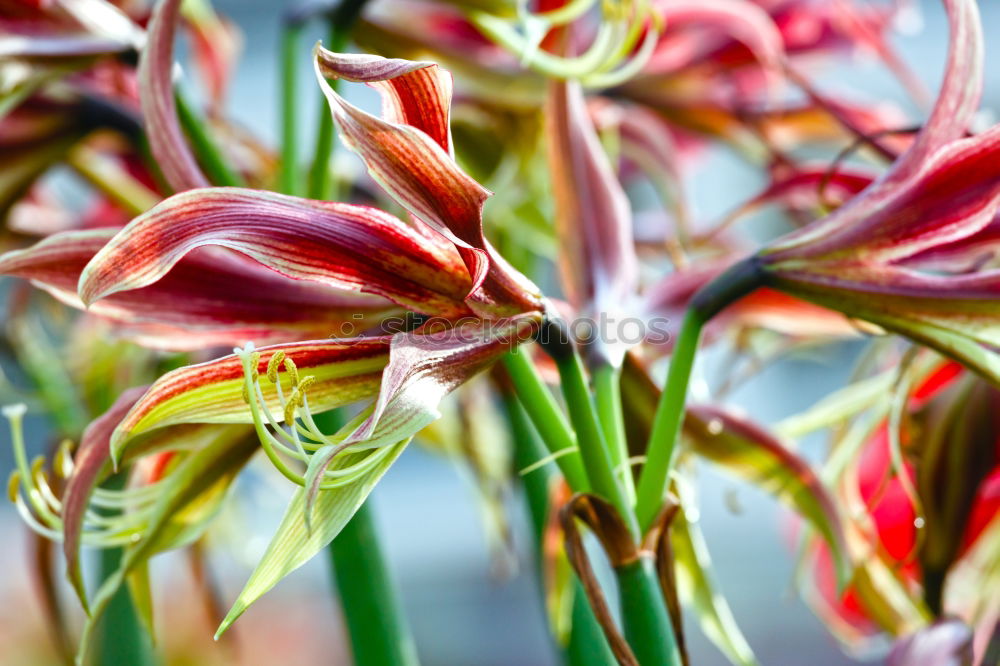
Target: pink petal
92,457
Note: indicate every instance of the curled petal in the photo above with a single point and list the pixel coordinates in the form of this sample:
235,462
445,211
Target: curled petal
954,196
90,460
414,93
408,163
344,370
593,216
929,159
156,93
960,92
210,297
426,365
349,247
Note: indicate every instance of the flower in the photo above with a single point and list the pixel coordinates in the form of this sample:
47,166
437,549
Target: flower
865,259
928,520
211,265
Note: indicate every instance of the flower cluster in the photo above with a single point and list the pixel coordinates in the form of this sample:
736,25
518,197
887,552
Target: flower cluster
559,155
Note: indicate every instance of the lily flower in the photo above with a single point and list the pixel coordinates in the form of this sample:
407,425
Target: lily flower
864,259
467,306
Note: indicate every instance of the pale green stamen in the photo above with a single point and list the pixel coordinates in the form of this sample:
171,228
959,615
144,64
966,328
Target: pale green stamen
299,438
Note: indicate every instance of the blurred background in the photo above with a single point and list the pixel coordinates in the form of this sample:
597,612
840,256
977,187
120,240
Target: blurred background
463,609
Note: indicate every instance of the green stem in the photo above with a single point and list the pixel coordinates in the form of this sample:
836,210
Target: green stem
587,645
375,621
120,637
608,396
593,447
741,279
548,419
209,156
667,422
321,185
648,629
288,175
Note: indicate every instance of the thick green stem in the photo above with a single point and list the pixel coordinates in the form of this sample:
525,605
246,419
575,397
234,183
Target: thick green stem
587,645
375,621
209,156
743,278
321,185
608,396
648,629
120,637
548,418
593,447
288,176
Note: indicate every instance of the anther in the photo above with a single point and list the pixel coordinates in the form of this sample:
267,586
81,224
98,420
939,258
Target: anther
292,371
273,365
13,487
294,402
255,363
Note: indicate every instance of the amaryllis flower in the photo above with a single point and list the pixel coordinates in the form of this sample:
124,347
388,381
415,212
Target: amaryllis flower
929,519
466,306
864,259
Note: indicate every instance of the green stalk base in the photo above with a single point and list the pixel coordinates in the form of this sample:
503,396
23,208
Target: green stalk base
120,638
375,622
648,629
587,645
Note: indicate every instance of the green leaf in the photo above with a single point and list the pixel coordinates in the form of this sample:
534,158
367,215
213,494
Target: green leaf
295,543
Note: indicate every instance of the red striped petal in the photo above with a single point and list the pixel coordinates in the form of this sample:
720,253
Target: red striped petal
425,366
348,247
871,220
408,154
210,298
954,196
345,371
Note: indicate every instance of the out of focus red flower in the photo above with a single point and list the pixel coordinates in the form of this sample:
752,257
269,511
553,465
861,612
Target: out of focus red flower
900,532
